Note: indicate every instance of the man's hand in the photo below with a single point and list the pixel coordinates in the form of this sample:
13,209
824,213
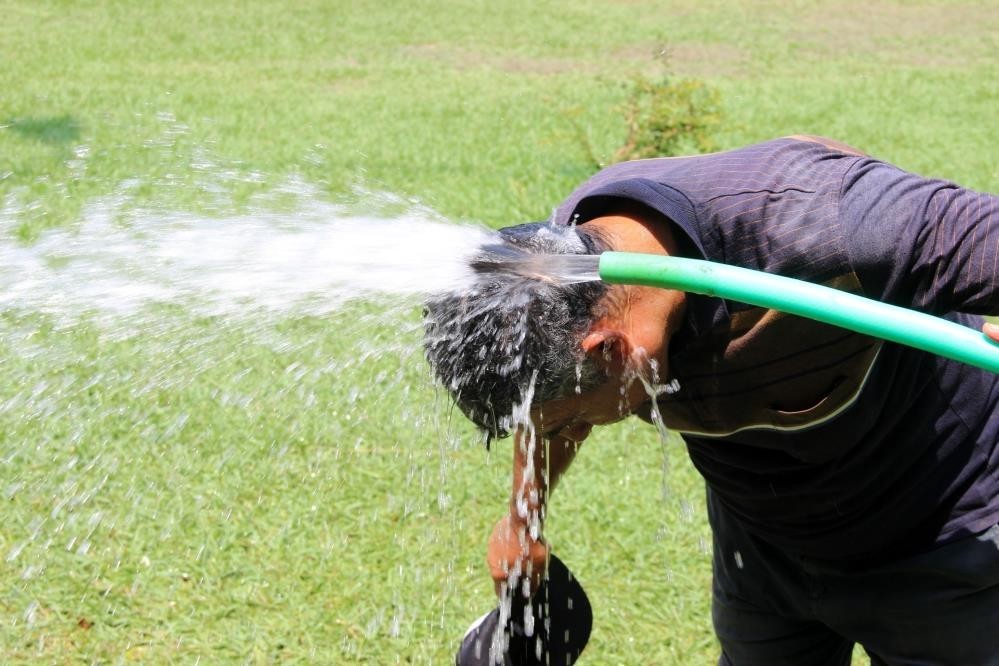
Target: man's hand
991,331
518,553
515,558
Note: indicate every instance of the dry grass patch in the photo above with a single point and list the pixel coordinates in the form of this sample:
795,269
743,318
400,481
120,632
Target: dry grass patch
469,59
698,59
911,34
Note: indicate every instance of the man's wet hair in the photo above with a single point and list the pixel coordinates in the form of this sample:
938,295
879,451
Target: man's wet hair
514,337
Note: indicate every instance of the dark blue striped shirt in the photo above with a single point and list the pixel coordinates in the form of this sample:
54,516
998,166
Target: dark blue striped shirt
826,442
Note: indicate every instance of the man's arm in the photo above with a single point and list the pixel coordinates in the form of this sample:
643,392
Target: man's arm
518,553
920,242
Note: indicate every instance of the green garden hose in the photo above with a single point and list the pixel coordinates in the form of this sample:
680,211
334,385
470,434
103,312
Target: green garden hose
849,311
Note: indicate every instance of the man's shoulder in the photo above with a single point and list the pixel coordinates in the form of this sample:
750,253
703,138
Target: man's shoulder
831,144
668,184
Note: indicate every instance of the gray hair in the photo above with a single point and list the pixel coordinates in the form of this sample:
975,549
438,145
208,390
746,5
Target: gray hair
513,337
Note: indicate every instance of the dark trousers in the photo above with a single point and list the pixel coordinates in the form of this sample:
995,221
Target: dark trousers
771,608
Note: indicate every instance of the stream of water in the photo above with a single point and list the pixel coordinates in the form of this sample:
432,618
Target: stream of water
174,382
167,373
308,260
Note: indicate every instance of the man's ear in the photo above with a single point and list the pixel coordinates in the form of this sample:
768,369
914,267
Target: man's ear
609,350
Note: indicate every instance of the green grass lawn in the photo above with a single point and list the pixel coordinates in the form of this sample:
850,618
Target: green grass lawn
295,490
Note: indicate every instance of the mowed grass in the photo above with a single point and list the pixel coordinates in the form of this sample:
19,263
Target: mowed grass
188,489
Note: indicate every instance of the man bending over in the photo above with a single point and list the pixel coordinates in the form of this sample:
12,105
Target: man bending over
853,484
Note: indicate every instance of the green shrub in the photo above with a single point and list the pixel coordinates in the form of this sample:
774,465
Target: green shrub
669,117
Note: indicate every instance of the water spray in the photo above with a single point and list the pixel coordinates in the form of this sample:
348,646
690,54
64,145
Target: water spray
804,299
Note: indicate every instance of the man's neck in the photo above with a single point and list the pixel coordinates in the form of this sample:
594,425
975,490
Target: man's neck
635,228
649,315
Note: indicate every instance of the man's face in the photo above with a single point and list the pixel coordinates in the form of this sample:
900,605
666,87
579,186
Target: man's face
631,346
574,416
628,340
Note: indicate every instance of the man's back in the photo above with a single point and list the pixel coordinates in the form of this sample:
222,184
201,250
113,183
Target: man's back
822,441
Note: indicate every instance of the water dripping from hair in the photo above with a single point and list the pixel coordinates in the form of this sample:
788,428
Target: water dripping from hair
655,389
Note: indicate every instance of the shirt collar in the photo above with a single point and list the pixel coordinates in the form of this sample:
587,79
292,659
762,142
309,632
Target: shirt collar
703,312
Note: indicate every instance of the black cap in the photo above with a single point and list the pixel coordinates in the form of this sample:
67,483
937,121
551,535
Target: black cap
549,629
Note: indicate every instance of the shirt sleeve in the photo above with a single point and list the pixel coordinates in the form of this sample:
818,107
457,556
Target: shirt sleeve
921,243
